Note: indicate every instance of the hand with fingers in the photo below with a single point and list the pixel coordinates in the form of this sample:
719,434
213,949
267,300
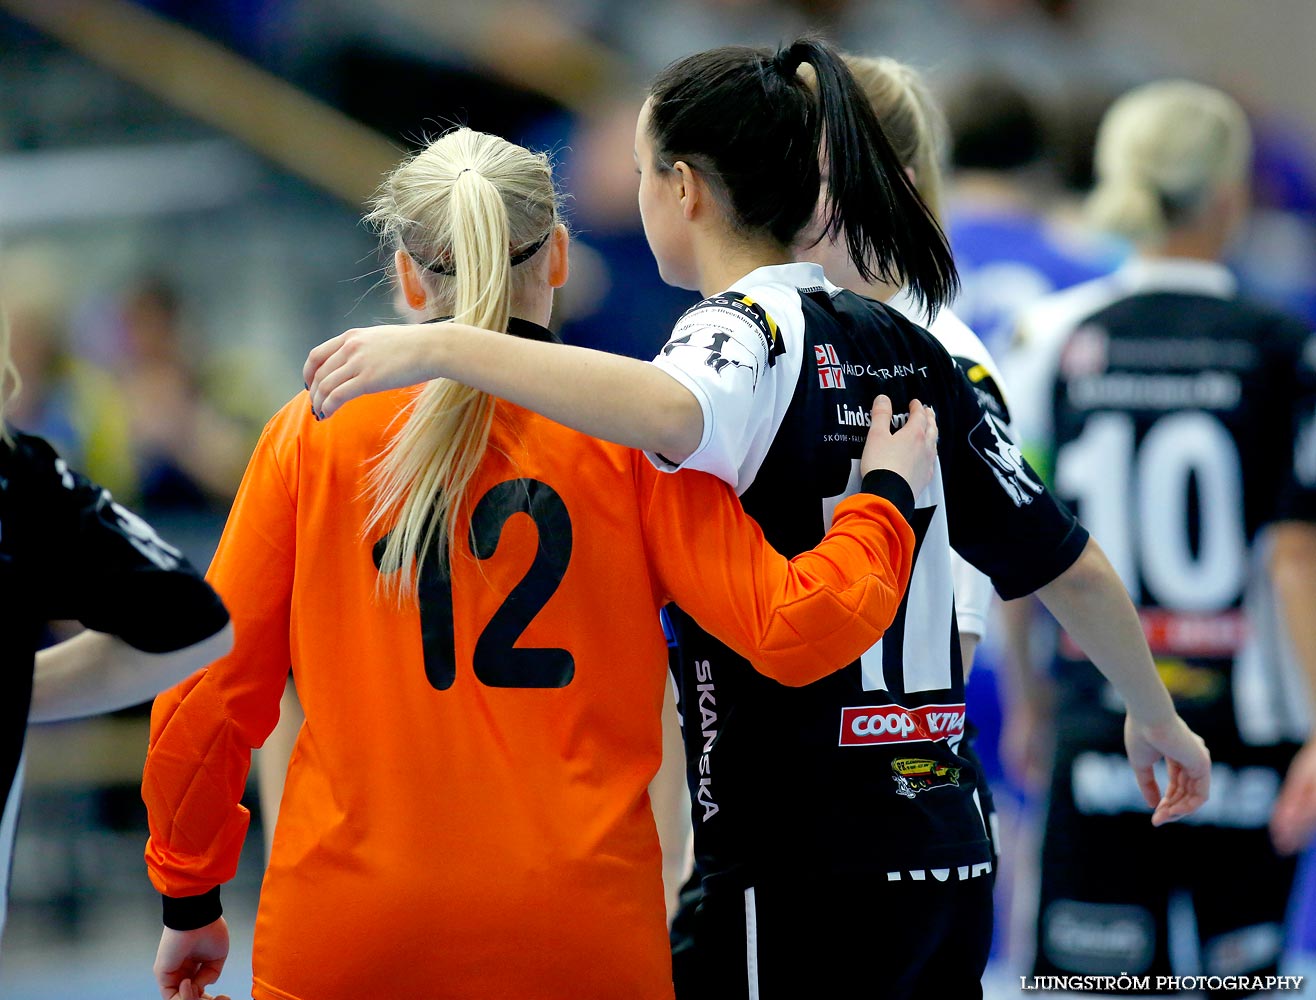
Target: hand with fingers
911,451
188,990
189,961
1293,820
1187,761
370,359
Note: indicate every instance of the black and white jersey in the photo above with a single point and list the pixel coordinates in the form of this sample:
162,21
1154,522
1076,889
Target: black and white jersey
68,551
1180,422
973,590
858,771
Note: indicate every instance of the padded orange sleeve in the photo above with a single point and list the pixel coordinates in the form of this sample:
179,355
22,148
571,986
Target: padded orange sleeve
796,620
203,730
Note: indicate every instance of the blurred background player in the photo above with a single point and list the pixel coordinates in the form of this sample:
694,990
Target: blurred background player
1011,245
1182,425
465,813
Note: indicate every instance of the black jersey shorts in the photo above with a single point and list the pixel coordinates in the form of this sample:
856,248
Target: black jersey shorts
852,936
710,956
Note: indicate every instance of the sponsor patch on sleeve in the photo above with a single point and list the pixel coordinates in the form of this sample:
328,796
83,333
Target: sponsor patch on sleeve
745,306
989,392
991,441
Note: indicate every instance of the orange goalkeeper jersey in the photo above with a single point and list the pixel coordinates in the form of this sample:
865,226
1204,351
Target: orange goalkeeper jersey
466,814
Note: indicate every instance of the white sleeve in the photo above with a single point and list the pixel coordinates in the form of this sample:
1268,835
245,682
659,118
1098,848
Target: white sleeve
1029,364
973,588
720,351
973,597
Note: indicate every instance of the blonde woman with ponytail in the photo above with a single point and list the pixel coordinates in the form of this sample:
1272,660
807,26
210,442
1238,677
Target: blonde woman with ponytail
468,596
1179,419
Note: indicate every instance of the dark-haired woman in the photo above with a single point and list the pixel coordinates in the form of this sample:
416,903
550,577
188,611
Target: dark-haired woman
835,825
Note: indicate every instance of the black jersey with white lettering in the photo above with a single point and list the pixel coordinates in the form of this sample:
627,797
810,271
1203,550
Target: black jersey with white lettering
1184,422
68,551
859,771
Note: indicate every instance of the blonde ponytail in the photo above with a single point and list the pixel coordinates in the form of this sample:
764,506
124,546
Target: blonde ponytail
1127,205
1163,150
463,209
913,122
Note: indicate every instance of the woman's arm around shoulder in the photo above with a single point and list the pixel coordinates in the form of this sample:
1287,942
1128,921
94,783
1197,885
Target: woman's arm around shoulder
618,399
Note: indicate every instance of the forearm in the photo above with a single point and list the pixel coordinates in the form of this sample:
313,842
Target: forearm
619,399
670,800
196,840
968,649
1091,604
973,599
1024,681
1293,575
94,672
272,761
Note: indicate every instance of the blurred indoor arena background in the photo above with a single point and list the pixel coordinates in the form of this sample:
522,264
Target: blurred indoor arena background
180,187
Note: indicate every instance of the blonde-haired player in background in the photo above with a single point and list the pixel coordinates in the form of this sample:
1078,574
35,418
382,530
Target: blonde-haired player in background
1180,422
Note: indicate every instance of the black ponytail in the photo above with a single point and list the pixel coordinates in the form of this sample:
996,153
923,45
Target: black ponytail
745,119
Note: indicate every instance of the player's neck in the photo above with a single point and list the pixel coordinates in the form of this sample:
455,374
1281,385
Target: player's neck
876,289
723,262
534,305
1190,244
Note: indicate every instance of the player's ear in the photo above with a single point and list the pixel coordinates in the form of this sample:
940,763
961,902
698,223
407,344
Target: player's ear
689,188
413,289
559,267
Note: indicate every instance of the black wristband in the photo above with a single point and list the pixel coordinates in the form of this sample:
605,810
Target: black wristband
187,913
891,486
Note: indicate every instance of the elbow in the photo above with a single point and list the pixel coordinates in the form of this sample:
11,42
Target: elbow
1293,546
813,638
679,427
804,663
796,673
1090,571
1291,564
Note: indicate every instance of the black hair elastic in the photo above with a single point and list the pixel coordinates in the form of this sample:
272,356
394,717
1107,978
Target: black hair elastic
787,61
518,256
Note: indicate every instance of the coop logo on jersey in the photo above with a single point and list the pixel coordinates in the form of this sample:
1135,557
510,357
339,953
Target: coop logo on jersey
993,445
917,774
874,725
831,373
